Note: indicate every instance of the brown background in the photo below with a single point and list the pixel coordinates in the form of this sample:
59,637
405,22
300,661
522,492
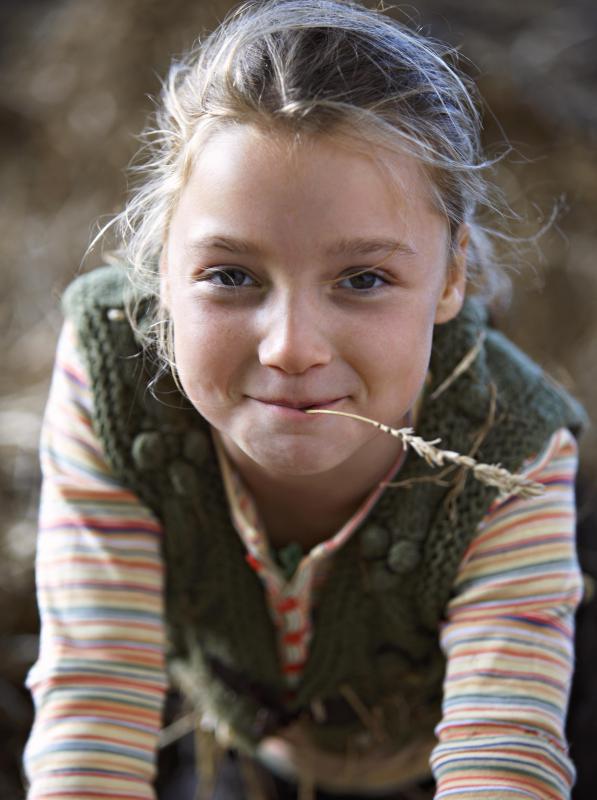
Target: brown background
74,80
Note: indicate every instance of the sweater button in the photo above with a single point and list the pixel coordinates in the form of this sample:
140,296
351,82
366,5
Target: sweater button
380,577
375,541
403,556
196,447
148,450
184,479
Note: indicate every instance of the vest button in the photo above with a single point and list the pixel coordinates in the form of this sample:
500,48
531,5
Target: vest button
196,447
375,541
184,479
380,577
403,556
148,450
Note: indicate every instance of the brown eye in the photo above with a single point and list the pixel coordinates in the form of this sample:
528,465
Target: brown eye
362,281
230,277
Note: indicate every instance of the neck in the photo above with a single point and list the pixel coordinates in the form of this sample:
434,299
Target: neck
310,508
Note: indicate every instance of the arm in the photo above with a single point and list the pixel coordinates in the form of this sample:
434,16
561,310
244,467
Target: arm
508,640
99,680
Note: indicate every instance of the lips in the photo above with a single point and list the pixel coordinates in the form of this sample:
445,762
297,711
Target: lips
299,405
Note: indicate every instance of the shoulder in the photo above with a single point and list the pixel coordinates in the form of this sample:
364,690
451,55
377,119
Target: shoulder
524,549
527,390
527,399
110,318
104,288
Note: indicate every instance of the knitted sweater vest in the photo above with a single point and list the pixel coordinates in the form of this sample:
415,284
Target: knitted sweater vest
375,668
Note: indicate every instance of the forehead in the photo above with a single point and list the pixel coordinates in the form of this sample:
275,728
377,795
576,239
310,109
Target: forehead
295,149
336,184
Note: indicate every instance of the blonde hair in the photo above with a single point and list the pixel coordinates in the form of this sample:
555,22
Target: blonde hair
312,67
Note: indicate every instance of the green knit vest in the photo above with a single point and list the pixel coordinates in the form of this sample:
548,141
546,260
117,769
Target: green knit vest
376,622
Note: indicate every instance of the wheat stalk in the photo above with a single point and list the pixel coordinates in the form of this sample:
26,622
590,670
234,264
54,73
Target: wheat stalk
507,482
461,367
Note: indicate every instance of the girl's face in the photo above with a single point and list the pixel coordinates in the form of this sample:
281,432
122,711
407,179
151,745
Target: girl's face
305,275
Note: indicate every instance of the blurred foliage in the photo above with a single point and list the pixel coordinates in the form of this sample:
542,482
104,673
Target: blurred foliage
74,83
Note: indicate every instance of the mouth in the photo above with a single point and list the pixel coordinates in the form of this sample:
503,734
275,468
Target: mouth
298,405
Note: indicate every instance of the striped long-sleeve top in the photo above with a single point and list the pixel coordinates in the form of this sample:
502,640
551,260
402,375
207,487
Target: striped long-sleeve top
100,678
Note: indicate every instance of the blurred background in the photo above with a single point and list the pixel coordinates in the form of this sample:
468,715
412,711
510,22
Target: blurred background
75,81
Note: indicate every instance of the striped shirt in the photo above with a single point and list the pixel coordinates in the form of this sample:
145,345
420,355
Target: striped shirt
290,600
100,678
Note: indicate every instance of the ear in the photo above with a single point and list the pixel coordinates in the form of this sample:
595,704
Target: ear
452,296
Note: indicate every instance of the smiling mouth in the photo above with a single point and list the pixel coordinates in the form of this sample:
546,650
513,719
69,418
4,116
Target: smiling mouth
302,405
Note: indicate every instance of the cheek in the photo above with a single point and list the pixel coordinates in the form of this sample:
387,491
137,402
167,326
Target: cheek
207,352
398,356
405,360
405,332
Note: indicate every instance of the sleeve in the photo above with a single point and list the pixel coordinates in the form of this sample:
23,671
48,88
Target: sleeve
99,681
508,639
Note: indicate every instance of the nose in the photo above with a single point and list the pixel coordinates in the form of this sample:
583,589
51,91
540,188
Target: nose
295,337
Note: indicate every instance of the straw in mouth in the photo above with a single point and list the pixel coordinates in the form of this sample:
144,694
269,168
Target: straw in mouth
508,483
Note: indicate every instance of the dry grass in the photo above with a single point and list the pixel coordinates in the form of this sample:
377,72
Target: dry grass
508,483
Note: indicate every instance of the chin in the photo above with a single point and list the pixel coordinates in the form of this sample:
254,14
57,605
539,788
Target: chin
294,459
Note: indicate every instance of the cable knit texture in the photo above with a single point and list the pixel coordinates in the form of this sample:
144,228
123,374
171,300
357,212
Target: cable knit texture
376,626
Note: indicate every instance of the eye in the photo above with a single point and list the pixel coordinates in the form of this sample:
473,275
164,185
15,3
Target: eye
228,277
362,281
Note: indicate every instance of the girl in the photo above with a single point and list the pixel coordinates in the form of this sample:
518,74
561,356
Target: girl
341,615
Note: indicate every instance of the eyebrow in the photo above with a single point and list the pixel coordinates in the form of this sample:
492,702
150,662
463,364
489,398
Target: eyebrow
353,246
361,246
229,243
